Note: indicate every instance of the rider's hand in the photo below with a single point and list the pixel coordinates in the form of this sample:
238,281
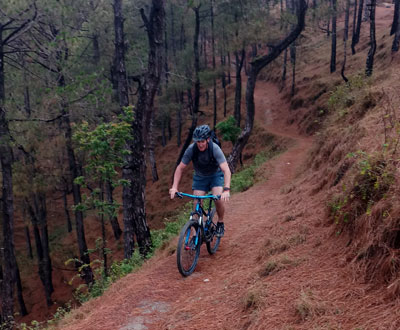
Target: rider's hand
172,192
225,196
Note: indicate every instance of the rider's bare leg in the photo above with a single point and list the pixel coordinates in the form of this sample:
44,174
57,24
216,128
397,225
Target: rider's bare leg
219,205
198,193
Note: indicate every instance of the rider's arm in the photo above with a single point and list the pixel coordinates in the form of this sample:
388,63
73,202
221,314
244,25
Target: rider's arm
227,180
177,179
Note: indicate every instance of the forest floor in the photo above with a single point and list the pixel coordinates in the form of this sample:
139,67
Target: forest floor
279,265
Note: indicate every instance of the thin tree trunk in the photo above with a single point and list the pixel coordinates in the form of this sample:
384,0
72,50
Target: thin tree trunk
239,58
372,50
166,69
152,158
103,233
113,219
396,15
293,62
22,307
345,38
28,242
37,212
356,36
66,209
7,201
284,65
163,134
223,80
119,57
213,64
87,273
354,18
333,47
396,40
229,68
179,118
172,34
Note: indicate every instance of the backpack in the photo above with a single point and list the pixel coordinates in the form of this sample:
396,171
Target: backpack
213,138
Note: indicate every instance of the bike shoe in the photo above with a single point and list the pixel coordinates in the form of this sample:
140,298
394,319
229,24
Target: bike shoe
220,229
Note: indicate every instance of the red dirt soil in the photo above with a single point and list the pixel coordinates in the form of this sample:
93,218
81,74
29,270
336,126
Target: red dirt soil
276,222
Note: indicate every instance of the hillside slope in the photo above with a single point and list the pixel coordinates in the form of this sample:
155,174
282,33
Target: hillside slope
280,265
277,268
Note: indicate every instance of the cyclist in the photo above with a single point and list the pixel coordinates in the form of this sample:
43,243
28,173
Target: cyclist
211,171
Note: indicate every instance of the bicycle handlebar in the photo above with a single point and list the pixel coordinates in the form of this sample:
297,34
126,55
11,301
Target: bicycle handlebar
213,197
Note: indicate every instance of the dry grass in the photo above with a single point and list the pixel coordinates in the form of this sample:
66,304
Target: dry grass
308,306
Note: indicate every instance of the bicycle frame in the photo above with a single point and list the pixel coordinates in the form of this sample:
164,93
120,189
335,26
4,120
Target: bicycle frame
199,210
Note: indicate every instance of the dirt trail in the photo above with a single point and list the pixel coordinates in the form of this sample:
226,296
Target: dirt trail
276,221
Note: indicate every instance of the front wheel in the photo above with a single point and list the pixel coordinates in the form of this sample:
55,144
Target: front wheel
213,242
188,250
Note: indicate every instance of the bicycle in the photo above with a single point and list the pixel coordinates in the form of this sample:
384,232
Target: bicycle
200,228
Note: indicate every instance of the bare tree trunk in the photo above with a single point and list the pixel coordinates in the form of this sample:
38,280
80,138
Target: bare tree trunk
333,47
213,63
223,80
345,38
66,209
229,68
372,50
356,36
103,233
28,242
396,15
22,308
75,170
239,58
293,62
37,211
152,158
396,40
119,57
172,34
179,98
354,18
113,219
7,201
367,8
284,65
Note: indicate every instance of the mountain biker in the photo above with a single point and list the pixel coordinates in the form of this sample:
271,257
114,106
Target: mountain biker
211,171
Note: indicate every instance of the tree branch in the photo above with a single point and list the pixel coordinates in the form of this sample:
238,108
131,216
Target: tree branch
38,119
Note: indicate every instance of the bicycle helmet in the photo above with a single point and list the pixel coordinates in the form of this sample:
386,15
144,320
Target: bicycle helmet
201,133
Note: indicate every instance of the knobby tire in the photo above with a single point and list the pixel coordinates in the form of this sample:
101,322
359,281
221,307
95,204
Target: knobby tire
213,244
188,252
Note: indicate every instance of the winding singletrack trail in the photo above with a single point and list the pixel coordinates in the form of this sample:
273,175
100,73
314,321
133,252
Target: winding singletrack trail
276,221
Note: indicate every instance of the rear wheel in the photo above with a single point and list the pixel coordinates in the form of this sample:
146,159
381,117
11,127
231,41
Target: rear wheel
213,242
188,250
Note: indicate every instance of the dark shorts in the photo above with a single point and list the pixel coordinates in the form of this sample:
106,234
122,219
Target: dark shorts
205,183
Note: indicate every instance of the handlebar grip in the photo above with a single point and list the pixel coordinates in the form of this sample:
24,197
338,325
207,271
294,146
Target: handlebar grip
178,194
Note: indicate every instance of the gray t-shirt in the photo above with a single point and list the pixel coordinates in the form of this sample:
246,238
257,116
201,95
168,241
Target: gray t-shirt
203,166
